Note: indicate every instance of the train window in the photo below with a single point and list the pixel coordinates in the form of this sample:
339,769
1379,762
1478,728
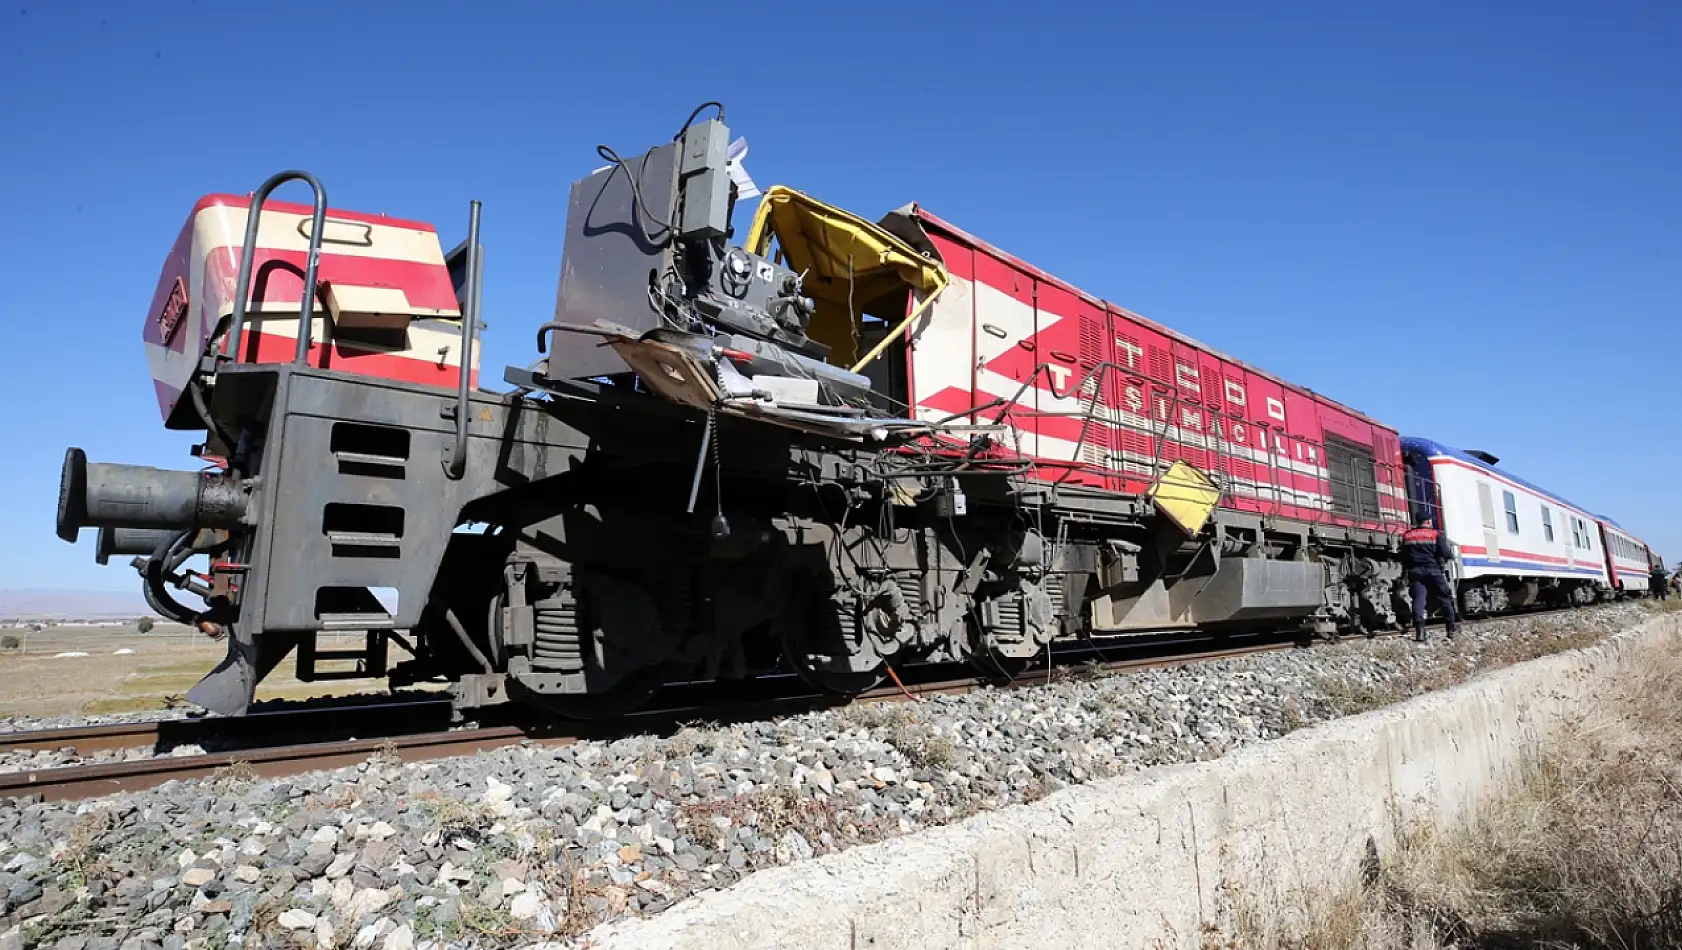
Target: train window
1576,536
1547,524
1511,504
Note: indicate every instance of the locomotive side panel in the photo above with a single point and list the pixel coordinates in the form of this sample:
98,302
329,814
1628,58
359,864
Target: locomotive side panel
1006,327
1074,417
1103,398
942,371
386,307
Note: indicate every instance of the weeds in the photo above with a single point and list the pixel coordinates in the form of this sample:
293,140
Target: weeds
1292,715
902,730
581,894
488,921
690,739
1038,788
1589,849
386,756
775,812
935,753
1585,852
1352,697
236,773
877,715
923,747
452,818
83,845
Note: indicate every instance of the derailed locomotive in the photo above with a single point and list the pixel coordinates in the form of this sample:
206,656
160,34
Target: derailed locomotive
837,445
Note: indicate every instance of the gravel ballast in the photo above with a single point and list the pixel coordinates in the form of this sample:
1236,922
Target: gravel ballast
531,843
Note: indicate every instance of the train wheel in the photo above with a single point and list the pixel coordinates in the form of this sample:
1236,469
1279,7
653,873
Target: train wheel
825,648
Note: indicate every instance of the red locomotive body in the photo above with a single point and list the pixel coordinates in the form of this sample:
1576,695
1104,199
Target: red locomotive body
386,305
1102,397
839,445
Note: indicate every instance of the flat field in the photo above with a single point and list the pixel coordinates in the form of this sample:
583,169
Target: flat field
166,661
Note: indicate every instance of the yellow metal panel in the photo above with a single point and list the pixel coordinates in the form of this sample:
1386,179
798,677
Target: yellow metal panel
848,263
1186,495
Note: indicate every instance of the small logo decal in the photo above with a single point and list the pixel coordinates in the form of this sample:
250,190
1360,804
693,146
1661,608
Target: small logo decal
175,308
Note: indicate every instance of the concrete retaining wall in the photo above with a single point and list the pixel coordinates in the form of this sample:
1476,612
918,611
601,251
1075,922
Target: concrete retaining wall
1142,860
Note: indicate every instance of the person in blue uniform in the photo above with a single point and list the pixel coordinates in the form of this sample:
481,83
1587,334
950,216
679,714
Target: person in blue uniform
1657,583
1425,553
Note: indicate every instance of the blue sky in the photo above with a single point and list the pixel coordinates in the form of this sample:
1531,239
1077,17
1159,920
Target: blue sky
1462,218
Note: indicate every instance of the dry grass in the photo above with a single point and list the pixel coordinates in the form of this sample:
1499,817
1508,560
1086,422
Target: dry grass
878,715
1585,852
163,666
901,728
776,811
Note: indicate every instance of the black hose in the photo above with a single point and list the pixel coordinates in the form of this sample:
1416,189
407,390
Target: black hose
698,110
195,390
631,178
157,597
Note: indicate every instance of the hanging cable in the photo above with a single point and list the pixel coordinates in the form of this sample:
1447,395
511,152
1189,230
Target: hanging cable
710,104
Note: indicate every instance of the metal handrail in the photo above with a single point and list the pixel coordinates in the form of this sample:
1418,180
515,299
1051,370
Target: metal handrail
242,285
457,463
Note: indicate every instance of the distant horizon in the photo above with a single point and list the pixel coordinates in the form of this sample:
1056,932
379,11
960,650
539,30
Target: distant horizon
43,603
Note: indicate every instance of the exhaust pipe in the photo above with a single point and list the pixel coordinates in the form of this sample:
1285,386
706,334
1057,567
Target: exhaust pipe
106,495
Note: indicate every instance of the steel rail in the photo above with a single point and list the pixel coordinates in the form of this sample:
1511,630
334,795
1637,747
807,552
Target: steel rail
350,721
83,781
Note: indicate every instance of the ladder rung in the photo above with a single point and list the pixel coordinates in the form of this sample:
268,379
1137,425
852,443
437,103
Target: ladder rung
364,539
368,458
354,621
319,675
341,654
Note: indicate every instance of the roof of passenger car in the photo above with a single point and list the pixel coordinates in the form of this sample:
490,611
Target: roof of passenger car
1411,443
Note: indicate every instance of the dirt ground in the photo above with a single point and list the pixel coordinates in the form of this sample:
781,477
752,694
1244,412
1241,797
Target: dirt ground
166,662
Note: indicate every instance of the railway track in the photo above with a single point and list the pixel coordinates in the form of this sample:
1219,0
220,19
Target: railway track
266,745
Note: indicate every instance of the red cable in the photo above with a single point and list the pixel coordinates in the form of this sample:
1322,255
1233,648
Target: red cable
895,677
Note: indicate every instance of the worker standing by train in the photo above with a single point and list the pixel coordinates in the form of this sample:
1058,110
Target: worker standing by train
1657,583
1426,553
